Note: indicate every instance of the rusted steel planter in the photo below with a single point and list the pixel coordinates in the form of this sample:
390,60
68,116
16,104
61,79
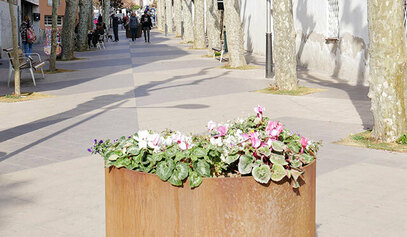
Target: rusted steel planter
140,204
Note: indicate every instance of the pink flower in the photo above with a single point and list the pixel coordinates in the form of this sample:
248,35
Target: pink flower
304,143
259,110
246,136
274,129
211,125
222,130
254,138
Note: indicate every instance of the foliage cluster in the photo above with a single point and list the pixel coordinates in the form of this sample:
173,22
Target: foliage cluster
254,146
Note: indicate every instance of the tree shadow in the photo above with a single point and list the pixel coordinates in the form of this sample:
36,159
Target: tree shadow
112,101
307,25
357,94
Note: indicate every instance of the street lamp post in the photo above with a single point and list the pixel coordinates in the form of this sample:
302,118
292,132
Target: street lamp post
269,41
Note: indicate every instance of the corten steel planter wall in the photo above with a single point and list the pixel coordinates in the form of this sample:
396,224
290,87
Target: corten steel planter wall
140,204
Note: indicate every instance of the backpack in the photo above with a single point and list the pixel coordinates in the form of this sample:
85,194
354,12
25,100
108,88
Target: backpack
31,37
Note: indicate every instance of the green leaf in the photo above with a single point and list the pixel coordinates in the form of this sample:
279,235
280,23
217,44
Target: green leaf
133,150
295,173
174,180
122,162
194,179
231,158
165,169
295,146
277,146
171,152
307,158
265,151
257,163
156,157
203,168
179,156
199,152
295,183
262,174
295,162
245,164
113,156
278,159
277,172
181,170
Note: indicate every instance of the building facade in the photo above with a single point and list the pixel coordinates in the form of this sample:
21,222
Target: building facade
6,39
332,35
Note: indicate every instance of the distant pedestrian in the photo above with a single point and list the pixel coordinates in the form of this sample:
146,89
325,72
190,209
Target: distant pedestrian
115,22
133,26
27,36
147,24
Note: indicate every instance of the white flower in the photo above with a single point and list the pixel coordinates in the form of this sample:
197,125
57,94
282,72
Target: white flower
211,125
142,144
216,141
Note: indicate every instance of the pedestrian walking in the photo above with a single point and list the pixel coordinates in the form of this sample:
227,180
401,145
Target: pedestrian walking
115,22
133,26
28,36
147,24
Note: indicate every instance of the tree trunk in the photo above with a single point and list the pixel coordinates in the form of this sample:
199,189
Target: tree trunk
213,25
68,28
159,15
53,56
188,24
90,21
168,15
178,17
284,54
15,51
234,33
199,27
106,14
84,10
162,15
387,65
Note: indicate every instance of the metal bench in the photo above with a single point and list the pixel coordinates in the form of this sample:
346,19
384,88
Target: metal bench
25,63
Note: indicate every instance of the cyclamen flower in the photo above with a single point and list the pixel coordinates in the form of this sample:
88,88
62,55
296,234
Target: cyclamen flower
274,129
222,130
259,110
304,143
211,125
216,141
254,138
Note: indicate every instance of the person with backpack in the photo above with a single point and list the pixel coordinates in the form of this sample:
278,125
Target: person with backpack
28,36
147,24
133,26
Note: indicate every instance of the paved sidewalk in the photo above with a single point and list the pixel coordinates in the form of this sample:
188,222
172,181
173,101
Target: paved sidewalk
50,186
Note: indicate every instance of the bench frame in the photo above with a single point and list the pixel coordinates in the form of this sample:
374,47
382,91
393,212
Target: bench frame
29,60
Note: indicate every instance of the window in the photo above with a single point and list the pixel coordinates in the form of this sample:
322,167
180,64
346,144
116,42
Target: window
50,2
333,19
48,21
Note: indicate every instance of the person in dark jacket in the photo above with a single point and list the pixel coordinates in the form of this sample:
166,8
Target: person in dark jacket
27,46
96,34
115,22
147,24
133,26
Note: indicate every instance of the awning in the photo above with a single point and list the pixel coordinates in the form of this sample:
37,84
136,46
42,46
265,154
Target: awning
35,2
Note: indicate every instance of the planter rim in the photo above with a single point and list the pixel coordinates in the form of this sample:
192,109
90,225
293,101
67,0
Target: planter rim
207,178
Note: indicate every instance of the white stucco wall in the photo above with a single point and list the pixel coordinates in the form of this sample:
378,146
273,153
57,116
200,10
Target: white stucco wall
345,58
6,40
